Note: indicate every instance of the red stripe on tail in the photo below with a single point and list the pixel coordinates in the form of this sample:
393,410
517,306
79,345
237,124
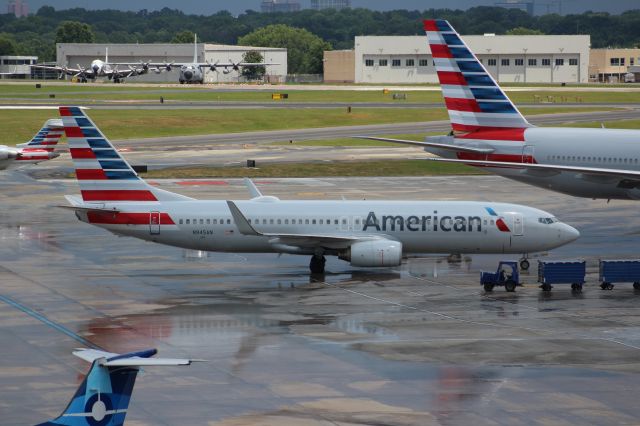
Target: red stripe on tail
457,104
451,78
73,132
90,174
440,51
430,25
81,153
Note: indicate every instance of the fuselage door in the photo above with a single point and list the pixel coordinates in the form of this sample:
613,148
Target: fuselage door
154,223
518,224
527,154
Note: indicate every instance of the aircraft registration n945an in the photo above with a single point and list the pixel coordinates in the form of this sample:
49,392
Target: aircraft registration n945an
488,131
364,233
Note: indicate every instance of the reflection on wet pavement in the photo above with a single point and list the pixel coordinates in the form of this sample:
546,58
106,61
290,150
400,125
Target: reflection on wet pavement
417,345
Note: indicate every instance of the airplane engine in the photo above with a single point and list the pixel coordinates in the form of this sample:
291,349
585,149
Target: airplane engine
374,253
8,154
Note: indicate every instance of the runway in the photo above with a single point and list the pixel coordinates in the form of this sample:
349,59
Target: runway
350,131
420,344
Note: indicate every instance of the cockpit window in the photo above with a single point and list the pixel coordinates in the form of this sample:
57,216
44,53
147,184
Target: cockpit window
547,220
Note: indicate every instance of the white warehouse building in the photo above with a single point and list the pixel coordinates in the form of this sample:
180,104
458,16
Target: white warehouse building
520,59
82,54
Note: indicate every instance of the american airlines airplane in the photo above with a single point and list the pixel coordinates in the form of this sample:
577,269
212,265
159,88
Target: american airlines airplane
488,131
364,233
104,395
40,148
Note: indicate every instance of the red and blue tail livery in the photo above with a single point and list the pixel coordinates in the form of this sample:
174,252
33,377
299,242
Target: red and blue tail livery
473,98
102,173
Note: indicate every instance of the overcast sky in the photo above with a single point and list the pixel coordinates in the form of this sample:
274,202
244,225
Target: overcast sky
238,6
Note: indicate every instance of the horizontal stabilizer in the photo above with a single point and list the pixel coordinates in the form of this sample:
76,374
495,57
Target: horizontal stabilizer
134,359
432,145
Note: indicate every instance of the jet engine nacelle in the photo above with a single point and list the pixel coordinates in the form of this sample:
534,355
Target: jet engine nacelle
8,154
374,253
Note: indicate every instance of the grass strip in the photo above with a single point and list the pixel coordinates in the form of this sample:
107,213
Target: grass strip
320,169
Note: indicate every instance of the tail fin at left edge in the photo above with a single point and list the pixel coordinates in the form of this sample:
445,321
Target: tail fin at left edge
103,397
47,137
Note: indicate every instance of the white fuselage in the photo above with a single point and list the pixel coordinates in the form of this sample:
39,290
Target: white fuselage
598,148
421,226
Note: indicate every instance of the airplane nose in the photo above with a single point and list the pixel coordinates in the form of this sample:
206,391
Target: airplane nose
96,68
568,233
188,75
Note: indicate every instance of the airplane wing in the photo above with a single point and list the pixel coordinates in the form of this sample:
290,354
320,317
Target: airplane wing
299,240
593,171
64,70
449,147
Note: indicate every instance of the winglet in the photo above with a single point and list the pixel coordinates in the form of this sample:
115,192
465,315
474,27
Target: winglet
242,223
253,189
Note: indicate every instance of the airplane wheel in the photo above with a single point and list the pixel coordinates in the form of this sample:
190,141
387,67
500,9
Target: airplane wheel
524,265
181,81
488,287
316,264
510,285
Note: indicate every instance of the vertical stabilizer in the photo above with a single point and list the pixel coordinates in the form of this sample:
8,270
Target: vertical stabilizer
103,397
47,137
473,98
103,175
195,48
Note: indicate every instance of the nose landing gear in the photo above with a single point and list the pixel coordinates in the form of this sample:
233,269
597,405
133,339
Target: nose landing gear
524,264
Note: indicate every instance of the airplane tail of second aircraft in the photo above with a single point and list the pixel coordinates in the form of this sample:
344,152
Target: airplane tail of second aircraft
47,137
103,175
473,98
103,397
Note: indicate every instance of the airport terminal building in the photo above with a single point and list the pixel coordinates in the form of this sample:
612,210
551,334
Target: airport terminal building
408,60
74,54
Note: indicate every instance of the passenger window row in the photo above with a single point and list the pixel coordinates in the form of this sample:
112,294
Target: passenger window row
598,159
272,221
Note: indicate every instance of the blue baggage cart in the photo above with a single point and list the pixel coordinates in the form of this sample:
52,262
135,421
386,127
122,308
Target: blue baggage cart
561,272
619,271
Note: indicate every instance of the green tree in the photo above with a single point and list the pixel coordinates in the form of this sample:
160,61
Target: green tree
74,32
7,45
523,31
304,49
183,37
253,73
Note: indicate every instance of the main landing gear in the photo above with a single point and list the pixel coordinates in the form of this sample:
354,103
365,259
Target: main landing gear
316,264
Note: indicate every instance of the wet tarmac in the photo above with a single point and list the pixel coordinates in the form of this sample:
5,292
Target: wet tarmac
420,344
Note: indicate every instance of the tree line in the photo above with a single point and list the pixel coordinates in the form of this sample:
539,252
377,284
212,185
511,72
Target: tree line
323,29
